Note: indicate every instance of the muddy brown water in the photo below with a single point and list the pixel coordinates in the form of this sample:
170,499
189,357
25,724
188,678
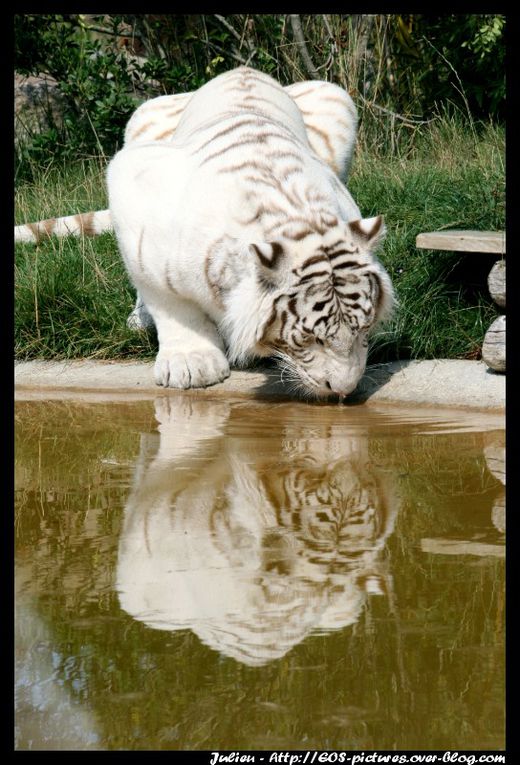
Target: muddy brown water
197,574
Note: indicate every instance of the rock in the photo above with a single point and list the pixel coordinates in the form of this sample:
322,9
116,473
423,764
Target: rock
38,104
498,514
497,283
495,455
494,345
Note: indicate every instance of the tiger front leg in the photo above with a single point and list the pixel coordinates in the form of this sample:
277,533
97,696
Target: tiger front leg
191,352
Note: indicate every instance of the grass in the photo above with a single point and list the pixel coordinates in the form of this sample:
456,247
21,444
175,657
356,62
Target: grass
73,295
450,177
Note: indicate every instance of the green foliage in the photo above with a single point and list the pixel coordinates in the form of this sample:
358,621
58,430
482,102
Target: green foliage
463,61
95,85
395,66
72,295
70,301
487,36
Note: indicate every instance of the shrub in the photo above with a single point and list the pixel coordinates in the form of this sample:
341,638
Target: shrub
397,67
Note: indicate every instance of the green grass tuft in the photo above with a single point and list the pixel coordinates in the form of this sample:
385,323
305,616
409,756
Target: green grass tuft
72,299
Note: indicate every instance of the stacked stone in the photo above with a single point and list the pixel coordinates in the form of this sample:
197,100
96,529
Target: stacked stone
494,345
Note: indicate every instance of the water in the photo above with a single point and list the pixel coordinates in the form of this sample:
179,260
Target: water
196,574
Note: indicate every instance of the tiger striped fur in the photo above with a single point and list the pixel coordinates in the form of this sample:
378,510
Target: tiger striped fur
328,112
242,242
253,550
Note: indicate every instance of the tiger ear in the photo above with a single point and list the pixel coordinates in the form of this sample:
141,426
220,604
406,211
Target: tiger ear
369,231
268,257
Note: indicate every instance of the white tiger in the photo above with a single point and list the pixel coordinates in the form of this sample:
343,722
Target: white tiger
243,243
253,550
330,119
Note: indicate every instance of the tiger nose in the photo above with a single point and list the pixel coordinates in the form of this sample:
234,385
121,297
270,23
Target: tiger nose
342,389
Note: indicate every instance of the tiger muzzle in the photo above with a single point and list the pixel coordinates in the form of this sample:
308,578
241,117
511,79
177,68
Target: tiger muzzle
342,388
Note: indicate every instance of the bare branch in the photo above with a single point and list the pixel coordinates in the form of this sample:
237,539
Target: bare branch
327,26
229,27
233,53
248,26
407,120
364,25
302,46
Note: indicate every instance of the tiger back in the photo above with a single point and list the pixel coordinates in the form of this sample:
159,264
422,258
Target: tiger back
328,112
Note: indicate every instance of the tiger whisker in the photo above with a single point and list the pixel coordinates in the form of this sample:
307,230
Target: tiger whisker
291,376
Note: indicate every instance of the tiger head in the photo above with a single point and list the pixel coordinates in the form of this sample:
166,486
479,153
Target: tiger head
323,291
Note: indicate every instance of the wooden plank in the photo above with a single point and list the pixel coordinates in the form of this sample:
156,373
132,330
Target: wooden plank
463,241
462,547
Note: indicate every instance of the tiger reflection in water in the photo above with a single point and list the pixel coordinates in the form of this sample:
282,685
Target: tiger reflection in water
252,549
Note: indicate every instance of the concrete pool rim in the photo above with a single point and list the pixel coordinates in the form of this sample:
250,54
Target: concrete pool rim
443,382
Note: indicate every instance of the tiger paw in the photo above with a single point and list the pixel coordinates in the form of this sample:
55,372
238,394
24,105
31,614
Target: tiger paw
194,369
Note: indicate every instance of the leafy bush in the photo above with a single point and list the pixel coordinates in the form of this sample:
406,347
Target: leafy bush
398,68
96,84
460,59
